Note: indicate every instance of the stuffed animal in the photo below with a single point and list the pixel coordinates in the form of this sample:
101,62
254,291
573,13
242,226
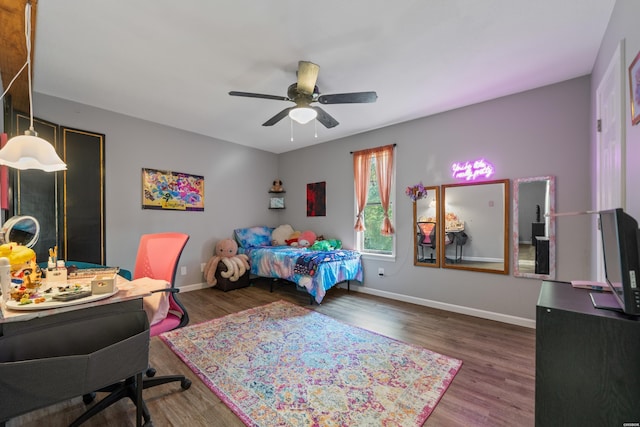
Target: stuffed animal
326,245
306,239
226,252
293,239
280,235
277,186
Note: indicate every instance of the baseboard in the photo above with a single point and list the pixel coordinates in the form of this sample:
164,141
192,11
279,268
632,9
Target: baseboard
504,318
194,287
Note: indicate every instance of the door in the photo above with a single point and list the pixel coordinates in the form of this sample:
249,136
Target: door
610,151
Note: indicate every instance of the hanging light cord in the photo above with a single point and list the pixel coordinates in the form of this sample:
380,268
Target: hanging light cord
27,34
27,64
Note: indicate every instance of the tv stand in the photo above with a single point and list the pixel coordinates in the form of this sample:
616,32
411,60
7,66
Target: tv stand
587,369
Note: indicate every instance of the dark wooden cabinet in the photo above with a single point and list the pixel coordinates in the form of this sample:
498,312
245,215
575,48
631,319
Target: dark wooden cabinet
587,361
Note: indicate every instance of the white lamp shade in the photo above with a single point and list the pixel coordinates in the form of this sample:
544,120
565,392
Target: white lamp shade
303,115
31,152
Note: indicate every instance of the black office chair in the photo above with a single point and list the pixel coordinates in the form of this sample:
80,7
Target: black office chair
427,239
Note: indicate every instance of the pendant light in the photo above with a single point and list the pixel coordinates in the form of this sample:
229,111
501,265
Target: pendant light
29,151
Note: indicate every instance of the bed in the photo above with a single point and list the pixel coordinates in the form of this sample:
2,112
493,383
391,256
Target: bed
314,271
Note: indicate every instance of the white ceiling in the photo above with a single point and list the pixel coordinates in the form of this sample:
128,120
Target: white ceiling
174,62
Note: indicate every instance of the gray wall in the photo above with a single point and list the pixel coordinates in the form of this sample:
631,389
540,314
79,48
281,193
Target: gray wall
237,179
540,132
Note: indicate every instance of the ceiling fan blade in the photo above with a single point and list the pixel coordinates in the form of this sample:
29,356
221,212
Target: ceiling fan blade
348,98
324,118
275,119
259,95
307,76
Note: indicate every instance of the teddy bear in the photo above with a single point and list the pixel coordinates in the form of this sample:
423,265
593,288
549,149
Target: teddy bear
277,187
226,251
281,234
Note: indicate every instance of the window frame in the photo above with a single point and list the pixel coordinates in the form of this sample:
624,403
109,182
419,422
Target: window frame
359,235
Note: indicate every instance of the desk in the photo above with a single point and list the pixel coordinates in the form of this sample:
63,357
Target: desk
459,238
49,356
587,370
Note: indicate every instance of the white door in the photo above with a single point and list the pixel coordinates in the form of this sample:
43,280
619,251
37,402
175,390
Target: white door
610,152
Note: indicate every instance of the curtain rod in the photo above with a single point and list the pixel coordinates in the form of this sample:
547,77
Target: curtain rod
351,152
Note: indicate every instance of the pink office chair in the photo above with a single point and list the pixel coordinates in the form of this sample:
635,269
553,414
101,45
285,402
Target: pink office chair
158,256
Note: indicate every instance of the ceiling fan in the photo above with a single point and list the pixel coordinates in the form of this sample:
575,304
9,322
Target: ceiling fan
305,92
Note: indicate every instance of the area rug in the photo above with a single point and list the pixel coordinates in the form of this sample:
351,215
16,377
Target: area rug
284,365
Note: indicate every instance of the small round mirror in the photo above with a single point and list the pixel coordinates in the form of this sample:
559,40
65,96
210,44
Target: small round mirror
24,230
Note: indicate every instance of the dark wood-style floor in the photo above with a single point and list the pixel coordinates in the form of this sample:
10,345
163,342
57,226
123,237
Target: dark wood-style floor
495,386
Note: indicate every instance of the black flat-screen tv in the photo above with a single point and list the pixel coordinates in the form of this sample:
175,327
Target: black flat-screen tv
620,247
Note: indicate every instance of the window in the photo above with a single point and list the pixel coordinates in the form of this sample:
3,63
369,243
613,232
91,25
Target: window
373,177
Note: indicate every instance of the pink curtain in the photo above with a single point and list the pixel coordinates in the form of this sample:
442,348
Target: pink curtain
361,177
384,170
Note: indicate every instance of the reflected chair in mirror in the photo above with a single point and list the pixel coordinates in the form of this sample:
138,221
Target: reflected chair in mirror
427,240
157,258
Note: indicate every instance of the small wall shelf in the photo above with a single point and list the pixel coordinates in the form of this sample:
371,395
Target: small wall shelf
276,202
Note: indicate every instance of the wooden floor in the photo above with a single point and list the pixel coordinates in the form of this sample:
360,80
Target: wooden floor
495,386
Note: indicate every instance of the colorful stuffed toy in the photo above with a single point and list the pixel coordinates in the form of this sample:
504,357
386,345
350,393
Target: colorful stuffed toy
306,239
227,252
293,239
326,245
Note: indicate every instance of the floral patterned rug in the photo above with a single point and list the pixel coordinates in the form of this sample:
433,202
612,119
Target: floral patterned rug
284,365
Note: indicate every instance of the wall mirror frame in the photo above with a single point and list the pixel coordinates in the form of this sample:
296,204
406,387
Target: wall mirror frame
474,226
426,217
534,228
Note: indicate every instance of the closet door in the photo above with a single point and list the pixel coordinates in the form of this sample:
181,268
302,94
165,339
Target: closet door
68,204
34,192
83,196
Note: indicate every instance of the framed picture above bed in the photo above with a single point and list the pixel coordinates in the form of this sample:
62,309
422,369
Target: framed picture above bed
317,199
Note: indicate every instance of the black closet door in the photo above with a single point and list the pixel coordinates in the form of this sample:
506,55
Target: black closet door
34,192
83,204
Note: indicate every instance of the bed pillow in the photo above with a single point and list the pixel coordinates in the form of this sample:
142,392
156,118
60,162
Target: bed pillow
252,237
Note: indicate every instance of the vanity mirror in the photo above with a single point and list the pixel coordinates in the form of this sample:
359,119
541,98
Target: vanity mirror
474,226
425,229
534,238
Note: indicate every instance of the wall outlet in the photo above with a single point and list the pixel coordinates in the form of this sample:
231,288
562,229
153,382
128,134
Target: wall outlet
380,271
183,270
202,267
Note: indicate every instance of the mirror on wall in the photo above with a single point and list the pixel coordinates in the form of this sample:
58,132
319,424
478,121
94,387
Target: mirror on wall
474,226
425,229
534,237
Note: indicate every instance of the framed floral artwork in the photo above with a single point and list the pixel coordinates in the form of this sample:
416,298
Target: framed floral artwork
167,190
634,87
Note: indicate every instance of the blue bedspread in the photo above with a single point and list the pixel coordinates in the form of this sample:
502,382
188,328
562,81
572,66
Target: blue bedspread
316,271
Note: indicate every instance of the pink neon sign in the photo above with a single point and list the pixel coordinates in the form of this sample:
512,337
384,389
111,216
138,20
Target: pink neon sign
470,171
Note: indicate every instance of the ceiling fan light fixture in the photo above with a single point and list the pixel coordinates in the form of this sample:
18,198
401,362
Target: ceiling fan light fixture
303,115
